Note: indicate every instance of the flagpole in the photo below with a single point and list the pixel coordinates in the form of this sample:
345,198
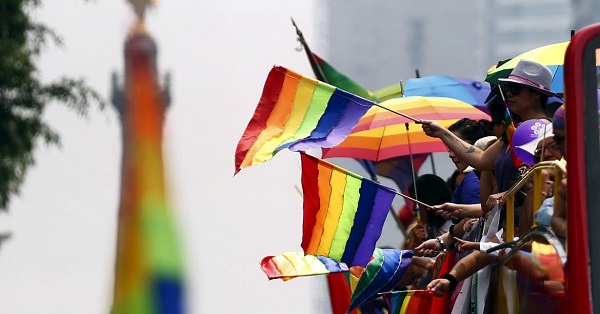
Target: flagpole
412,165
313,63
321,77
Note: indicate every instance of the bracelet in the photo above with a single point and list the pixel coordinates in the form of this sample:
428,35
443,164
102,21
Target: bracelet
441,242
451,231
452,279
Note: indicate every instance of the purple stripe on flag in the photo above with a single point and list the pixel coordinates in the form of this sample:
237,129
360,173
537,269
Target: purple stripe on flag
368,191
405,258
389,266
381,207
344,110
332,265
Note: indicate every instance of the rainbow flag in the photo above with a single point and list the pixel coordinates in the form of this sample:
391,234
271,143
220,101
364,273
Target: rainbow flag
409,302
343,212
148,271
382,274
298,113
290,265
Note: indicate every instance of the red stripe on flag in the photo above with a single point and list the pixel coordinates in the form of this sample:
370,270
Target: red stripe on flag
310,174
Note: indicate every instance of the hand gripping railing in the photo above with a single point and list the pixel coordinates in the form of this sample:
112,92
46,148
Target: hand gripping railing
508,198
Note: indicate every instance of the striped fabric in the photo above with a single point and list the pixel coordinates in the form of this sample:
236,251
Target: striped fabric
343,212
297,113
409,302
381,134
290,265
382,274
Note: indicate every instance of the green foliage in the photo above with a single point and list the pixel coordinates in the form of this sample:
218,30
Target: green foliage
23,97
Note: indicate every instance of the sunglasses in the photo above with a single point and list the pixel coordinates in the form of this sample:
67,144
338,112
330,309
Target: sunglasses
514,89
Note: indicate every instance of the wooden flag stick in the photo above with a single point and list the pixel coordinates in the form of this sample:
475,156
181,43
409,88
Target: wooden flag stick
419,202
398,113
415,200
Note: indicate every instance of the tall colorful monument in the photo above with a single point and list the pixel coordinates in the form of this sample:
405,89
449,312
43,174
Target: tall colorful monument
148,270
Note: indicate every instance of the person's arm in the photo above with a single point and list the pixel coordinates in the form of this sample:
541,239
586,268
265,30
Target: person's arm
473,156
452,210
429,247
461,271
464,245
486,187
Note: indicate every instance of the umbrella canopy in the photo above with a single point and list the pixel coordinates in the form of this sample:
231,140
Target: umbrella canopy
381,134
553,56
467,90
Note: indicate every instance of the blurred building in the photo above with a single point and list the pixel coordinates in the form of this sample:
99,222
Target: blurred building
379,43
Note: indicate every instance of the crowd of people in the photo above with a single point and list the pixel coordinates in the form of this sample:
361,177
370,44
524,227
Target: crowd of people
469,217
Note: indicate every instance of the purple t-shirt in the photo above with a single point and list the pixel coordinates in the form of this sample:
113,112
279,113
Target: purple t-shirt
467,192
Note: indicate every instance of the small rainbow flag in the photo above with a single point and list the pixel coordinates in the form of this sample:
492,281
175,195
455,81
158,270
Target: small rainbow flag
290,265
409,302
298,113
383,272
343,212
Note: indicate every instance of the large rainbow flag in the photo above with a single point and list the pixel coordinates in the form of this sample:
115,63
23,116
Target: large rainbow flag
298,113
343,212
148,271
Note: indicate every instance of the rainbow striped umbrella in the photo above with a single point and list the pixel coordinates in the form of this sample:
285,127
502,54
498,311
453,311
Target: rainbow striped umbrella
381,134
467,90
552,56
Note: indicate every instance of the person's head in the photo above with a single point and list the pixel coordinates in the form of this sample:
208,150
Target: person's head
547,150
431,190
469,131
527,88
558,127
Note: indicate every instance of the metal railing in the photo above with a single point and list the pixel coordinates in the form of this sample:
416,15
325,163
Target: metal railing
508,198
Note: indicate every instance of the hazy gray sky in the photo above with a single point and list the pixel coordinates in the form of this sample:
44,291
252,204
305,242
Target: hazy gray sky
61,256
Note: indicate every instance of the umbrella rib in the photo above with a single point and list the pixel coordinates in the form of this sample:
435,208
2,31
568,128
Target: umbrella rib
380,142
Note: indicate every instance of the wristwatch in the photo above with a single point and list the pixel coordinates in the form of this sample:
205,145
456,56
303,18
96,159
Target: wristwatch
441,242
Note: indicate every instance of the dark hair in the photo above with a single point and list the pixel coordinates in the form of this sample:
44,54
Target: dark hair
496,108
451,181
432,190
544,100
471,130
